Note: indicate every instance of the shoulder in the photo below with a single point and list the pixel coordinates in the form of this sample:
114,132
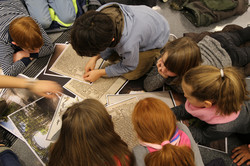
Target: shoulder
194,146
139,153
140,149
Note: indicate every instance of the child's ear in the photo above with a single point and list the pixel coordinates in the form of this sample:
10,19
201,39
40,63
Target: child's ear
113,39
208,103
14,43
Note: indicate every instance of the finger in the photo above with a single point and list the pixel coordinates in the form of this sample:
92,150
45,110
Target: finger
238,158
242,161
50,95
236,149
87,79
158,65
86,69
236,153
56,88
85,75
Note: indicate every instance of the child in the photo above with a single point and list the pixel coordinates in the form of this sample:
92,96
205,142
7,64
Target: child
46,11
220,49
178,57
88,138
131,34
219,98
21,38
161,141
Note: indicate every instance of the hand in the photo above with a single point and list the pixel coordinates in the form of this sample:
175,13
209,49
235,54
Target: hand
161,67
46,88
241,154
91,64
20,55
94,75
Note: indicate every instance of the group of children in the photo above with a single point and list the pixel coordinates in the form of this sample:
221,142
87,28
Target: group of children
131,38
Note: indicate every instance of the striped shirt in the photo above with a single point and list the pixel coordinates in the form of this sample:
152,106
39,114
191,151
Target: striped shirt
9,10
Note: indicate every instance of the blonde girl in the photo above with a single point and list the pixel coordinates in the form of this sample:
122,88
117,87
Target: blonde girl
219,98
88,138
161,141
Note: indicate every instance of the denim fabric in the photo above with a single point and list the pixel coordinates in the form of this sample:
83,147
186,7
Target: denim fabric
9,158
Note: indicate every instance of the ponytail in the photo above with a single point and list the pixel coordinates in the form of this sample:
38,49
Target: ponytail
225,87
171,155
155,125
232,92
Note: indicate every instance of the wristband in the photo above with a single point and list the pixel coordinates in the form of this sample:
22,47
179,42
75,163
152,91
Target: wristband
30,83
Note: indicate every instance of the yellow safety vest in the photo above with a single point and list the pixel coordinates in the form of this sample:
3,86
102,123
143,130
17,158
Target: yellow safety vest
54,17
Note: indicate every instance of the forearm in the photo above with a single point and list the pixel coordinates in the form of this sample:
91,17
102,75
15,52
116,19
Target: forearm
181,113
13,82
13,69
205,136
102,72
40,87
48,46
95,58
153,81
6,60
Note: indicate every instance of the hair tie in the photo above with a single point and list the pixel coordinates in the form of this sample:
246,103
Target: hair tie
165,143
221,73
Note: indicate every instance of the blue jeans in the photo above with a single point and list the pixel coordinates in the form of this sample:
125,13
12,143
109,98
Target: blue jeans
9,158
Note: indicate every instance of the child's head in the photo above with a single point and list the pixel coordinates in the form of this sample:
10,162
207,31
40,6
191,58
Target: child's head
205,86
181,55
92,33
154,122
26,33
88,138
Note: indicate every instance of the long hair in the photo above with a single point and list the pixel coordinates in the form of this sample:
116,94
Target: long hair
88,138
92,33
154,122
227,89
183,54
26,33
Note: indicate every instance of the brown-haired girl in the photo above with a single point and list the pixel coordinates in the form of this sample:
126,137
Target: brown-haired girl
88,138
178,57
217,97
220,49
161,141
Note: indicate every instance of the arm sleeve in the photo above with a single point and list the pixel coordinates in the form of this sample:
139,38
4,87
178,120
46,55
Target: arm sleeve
194,145
204,136
128,63
153,80
139,153
48,47
6,60
181,113
106,53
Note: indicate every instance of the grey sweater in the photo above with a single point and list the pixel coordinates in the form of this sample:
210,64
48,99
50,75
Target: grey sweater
140,151
217,131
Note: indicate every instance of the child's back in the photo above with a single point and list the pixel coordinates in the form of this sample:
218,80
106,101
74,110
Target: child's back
87,137
161,141
217,97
